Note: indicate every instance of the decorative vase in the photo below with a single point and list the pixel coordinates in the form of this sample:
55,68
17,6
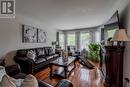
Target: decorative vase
65,60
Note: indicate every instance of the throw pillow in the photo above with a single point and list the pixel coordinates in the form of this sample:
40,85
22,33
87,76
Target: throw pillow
2,72
31,54
17,82
6,82
29,81
51,51
46,51
40,52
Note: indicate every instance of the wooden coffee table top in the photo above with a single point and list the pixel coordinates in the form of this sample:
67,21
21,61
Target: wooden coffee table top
59,61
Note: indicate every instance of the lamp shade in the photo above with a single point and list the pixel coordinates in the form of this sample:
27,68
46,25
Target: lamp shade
120,35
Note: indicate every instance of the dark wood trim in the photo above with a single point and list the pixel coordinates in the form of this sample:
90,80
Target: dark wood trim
23,33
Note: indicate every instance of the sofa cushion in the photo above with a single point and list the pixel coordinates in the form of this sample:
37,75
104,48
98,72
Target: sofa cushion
56,55
31,54
49,57
40,51
43,84
41,57
40,60
19,75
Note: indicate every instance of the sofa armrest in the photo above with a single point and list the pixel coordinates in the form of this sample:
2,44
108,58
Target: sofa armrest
16,58
26,64
43,84
12,69
64,83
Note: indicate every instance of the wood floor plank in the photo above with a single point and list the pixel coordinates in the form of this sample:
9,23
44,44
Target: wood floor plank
80,77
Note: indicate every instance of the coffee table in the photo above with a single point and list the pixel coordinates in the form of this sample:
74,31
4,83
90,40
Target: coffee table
64,67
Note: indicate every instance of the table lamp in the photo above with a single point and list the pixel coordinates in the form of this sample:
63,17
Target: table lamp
120,36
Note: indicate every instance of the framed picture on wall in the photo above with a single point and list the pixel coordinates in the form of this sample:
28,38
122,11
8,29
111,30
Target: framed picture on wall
29,34
41,36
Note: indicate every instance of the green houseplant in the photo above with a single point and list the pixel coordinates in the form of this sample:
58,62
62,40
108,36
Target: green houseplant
94,52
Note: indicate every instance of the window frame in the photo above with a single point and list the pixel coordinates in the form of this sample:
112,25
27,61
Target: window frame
63,40
80,38
74,38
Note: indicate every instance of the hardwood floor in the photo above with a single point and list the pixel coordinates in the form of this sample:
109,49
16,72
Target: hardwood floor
80,77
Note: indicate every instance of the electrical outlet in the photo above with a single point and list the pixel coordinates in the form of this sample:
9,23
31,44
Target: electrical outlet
127,80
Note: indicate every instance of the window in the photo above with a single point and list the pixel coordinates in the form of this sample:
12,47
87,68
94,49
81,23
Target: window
84,40
97,37
110,33
61,40
79,39
71,39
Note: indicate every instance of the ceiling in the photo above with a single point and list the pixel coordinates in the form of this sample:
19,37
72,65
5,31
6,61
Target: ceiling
67,14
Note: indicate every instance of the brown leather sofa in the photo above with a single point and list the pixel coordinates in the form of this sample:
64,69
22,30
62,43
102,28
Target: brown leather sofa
44,56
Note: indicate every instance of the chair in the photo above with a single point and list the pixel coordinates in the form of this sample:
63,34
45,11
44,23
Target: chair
72,51
14,71
85,62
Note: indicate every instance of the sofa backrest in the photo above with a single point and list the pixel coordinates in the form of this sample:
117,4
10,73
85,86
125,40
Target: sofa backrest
23,52
45,50
40,51
48,50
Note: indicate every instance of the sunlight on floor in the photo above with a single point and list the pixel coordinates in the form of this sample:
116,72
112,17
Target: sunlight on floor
84,75
81,76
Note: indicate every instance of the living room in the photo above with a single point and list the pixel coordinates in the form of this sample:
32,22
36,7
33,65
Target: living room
64,23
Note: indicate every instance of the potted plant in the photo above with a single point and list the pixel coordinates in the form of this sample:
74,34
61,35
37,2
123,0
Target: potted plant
94,52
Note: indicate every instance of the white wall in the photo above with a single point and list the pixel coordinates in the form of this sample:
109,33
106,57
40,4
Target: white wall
125,20
127,49
11,36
